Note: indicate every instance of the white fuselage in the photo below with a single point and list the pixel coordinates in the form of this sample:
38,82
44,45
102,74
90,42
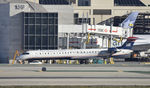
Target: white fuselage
75,53
72,54
122,52
144,39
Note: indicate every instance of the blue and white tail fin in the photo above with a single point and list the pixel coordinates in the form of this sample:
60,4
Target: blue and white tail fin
129,43
130,20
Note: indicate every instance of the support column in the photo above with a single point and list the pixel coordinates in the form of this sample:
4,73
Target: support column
67,61
103,41
68,36
50,61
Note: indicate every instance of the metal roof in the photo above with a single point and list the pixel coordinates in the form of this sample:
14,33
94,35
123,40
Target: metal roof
36,7
128,3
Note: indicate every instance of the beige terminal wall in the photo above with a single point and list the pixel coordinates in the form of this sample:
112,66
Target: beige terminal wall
107,5
36,1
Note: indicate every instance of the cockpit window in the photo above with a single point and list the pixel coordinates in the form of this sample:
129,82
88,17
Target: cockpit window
25,53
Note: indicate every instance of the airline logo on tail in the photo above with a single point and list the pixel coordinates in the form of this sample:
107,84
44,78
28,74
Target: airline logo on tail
125,49
131,25
130,20
129,43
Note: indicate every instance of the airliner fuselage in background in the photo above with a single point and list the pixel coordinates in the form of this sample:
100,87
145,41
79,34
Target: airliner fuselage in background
142,44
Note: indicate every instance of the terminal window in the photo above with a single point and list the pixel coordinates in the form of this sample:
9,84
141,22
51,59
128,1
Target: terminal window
40,31
101,12
80,21
76,15
57,2
84,20
84,2
128,3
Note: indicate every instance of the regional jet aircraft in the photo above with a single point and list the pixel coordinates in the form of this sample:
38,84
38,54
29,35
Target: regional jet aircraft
125,49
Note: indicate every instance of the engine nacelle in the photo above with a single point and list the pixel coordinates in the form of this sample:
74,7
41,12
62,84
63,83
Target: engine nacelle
112,50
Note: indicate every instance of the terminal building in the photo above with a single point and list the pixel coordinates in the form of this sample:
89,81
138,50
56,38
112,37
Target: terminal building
59,24
27,25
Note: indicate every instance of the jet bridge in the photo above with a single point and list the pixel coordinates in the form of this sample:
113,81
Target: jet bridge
91,36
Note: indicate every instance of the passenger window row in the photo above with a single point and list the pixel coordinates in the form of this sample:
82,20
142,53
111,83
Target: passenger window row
75,52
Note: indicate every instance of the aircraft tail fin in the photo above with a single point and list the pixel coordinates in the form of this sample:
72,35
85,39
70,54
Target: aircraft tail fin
129,43
130,20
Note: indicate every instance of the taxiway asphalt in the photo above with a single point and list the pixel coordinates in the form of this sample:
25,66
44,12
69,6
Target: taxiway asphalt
120,74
